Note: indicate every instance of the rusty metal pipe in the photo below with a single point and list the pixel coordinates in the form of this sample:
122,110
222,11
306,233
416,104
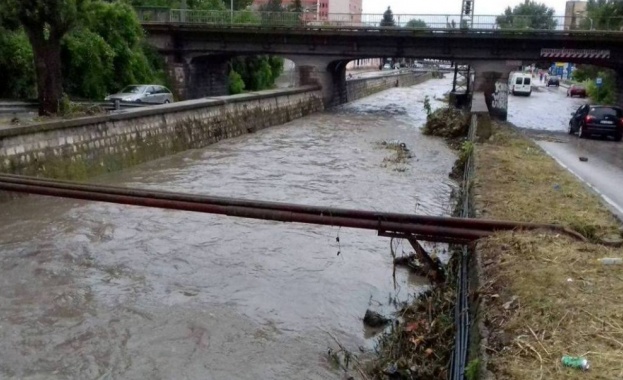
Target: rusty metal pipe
478,224
424,232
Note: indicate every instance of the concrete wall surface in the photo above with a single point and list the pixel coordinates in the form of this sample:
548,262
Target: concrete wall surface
83,147
360,88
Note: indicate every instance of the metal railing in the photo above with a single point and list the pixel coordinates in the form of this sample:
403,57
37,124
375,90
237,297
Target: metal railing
18,107
375,21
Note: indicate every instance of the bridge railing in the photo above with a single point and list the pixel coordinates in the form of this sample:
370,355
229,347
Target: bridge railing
375,21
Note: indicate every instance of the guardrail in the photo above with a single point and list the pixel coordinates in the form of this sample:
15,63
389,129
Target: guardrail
313,19
17,107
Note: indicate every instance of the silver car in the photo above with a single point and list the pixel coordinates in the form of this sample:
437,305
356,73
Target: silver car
143,93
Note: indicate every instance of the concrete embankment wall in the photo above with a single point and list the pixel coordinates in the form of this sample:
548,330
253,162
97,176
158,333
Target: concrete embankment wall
360,88
83,147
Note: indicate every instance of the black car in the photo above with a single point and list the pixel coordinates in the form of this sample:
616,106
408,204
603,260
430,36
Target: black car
597,120
553,81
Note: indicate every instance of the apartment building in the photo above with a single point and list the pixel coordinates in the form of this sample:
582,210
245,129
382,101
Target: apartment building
575,11
325,10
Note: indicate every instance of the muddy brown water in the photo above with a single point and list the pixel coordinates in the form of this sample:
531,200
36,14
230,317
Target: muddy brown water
103,291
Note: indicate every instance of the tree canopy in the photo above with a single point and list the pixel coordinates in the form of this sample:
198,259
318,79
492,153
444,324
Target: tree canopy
388,18
606,15
416,23
45,23
96,47
528,14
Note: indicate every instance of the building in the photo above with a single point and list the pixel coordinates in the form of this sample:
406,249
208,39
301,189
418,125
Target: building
575,12
346,11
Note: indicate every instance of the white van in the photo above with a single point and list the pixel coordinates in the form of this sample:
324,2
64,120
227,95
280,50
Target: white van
520,84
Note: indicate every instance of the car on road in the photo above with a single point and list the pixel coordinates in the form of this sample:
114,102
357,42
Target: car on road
520,84
591,120
553,81
576,90
143,93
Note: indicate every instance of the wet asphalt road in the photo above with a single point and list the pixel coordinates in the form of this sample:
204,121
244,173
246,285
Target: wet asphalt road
546,114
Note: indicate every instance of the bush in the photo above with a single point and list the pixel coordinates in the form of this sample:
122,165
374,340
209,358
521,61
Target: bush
236,84
447,122
16,65
606,94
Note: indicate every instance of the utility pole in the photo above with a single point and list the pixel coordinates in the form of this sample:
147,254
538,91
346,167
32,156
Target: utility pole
231,21
462,72
184,7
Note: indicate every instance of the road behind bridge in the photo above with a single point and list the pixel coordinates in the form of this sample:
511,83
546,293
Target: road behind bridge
545,115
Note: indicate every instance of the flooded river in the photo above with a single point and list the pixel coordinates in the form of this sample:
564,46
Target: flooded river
101,291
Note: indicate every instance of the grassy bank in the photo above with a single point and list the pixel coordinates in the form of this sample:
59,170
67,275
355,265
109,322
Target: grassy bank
545,295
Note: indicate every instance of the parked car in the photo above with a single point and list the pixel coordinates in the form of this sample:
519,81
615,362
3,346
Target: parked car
597,120
553,81
143,93
576,90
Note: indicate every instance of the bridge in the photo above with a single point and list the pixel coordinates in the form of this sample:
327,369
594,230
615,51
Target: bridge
198,44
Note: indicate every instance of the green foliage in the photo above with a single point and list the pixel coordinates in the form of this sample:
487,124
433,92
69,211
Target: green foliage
272,6
105,52
528,14
606,94
606,15
238,4
246,17
119,27
258,72
388,18
16,65
416,23
296,6
89,64
583,73
427,106
212,5
236,84
472,372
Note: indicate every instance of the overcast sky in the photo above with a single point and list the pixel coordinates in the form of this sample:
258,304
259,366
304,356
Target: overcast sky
482,7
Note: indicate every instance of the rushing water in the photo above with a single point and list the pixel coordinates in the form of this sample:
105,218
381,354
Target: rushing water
102,291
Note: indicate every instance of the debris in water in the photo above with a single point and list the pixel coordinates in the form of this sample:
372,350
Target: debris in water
401,154
447,122
374,319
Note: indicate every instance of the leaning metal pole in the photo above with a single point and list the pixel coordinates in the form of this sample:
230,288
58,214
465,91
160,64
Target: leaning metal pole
419,231
425,220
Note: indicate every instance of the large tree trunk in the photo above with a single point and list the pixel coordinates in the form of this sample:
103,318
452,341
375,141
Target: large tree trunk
47,54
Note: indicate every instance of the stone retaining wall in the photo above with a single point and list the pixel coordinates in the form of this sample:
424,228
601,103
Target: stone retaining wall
83,147
360,88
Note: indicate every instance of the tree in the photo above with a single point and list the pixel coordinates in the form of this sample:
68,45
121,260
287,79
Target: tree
388,18
605,15
416,23
272,6
296,6
238,4
529,14
16,65
46,22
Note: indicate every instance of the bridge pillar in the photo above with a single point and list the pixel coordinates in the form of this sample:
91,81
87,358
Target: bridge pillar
330,75
198,77
491,78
